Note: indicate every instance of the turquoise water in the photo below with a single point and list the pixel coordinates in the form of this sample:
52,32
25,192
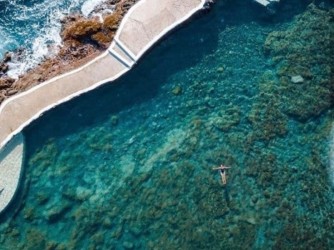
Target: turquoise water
129,165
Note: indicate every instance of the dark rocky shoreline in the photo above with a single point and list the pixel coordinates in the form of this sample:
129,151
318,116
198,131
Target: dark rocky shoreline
83,39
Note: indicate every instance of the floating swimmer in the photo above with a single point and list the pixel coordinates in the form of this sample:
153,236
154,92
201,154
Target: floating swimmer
222,170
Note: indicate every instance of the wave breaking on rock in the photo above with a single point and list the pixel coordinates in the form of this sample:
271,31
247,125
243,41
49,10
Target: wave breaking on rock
67,40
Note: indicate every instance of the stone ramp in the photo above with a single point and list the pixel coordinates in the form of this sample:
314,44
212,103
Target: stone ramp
11,162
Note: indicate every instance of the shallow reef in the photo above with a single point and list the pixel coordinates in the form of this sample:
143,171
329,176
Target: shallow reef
305,50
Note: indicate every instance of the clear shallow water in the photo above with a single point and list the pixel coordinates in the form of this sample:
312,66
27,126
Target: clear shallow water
35,25
129,165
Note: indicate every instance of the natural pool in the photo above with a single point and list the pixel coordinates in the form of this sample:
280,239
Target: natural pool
129,166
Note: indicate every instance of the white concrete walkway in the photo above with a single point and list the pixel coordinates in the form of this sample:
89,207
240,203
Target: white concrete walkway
142,27
11,161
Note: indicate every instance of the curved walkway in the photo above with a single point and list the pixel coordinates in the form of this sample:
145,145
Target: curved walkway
10,169
145,23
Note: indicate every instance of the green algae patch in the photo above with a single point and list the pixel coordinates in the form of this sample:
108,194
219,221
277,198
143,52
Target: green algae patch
227,118
305,51
266,115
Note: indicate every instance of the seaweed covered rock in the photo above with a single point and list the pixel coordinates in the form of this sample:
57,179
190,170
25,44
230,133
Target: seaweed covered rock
79,30
82,29
111,22
92,31
305,50
266,115
227,118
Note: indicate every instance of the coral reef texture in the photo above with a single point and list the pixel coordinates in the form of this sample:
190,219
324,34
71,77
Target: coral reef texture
306,50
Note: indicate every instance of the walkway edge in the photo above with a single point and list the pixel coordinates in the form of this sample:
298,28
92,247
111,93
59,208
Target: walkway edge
68,98
11,161
161,34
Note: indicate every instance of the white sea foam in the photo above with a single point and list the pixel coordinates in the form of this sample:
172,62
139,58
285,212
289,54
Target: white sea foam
89,6
41,31
46,44
48,39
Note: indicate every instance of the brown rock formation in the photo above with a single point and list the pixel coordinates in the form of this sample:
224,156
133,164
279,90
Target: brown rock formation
83,40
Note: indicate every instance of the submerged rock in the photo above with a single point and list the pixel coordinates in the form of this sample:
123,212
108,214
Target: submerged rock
56,213
297,79
227,118
221,70
128,245
177,90
83,193
114,120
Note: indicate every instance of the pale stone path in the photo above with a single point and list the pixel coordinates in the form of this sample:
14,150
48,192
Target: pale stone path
144,24
10,169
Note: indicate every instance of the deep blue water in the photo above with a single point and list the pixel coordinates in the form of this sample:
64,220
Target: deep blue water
129,165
